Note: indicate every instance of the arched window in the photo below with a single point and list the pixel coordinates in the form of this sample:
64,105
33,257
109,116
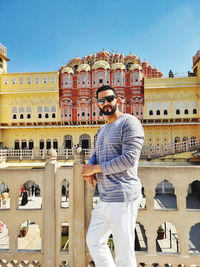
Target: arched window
157,112
85,141
150,112
46,116
31,144
48,144
24,144
68,140
14,116
39,116
186,111
21,116
41,144
55,144
16,144
194,111
28,116
53,115
165,112
178,112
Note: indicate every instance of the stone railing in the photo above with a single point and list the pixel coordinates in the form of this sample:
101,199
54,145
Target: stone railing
148,152
51,216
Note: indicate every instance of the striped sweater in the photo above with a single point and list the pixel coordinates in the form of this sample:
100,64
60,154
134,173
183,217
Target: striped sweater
118,149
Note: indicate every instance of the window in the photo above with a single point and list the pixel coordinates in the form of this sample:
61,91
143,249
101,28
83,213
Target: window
46,109
21,80
21,116
165,112
37,80
53,115
100,80
41,144
46,116
28,116
44,79
177,111
157,112
13,81
39,115
14,116
16,144
83,113
94,113
39,109
186,111
28,80
194,111
150,112
53,109
5,81
53,79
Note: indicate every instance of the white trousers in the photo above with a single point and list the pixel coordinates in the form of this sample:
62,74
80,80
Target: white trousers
118,219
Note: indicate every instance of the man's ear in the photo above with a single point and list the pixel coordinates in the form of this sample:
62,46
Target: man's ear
118,100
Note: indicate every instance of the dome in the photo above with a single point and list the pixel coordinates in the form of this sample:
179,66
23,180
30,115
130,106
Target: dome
101,64
103,53
117,55
135,67
130,58
118,65
77,60
68,70
84,67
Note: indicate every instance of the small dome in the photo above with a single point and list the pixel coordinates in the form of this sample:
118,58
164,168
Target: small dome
103,53
145,63
68,70
135,67
89,57
77,60
130,58
84,67
118,65
117,55
101,64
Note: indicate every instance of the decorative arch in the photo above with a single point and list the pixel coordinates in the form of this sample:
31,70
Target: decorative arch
193,197
30,196
29,236
68,142
165,197
85,141
194,246
167,240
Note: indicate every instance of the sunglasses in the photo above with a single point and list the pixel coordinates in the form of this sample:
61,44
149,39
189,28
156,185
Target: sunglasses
109,99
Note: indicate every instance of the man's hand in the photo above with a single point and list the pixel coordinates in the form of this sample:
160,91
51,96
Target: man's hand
90,169
91,180
89,173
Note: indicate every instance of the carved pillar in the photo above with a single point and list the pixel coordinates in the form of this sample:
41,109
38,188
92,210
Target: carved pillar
49,210
79,252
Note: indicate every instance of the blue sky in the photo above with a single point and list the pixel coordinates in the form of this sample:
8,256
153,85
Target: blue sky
42,35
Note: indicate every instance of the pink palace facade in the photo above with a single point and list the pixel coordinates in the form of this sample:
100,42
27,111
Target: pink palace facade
79,80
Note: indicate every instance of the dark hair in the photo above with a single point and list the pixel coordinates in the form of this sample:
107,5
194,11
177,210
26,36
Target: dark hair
104,88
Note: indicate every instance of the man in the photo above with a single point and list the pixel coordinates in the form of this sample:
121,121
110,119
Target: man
115,161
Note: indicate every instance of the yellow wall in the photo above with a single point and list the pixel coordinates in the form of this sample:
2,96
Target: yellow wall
36,134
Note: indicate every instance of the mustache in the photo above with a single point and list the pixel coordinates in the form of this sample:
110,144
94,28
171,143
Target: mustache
108,106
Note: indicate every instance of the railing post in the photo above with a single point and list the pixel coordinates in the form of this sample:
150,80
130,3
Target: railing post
79,250
49,210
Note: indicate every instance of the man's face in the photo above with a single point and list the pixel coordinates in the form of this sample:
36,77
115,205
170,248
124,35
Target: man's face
108,105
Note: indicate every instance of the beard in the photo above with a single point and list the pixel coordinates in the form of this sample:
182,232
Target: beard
108,112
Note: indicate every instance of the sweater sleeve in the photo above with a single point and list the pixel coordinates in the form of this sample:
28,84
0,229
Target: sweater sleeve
93,158
132,142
